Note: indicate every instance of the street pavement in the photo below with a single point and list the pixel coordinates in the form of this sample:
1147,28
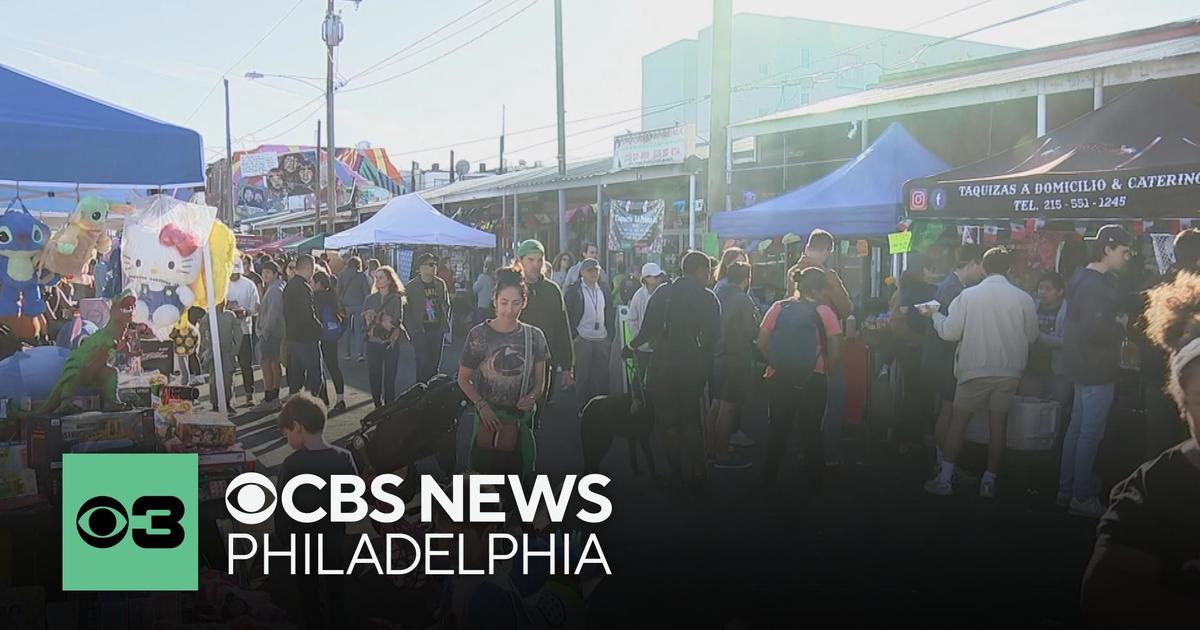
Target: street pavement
873,550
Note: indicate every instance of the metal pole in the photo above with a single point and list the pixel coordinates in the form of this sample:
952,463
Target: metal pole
603,248
501,169
562,220
452,171
718,162
317,211
1098,89
1041,115
230,208
516,220
331,177
562,112
692,211
414,176
210,293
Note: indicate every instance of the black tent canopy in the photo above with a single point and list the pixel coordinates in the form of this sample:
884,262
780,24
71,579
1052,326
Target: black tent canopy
1136,157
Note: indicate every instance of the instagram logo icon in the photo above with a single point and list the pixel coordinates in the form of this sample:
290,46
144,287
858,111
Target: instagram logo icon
918,199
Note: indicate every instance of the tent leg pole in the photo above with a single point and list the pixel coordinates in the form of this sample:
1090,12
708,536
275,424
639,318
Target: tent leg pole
692,211
603,249
210,293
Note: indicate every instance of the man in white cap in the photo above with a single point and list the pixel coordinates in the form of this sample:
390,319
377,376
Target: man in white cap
652,277
242,300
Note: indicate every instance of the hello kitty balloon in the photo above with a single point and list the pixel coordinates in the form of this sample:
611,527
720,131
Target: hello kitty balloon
160,268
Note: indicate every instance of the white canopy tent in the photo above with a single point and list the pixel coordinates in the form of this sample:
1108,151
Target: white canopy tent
410,220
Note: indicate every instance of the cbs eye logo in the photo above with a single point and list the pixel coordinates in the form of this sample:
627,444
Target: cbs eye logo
251,498
102,522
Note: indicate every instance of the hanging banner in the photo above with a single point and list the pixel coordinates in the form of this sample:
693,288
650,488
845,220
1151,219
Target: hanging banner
900,242
636,225
1120,194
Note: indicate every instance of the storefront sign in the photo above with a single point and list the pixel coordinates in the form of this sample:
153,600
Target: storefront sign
636,225
1157,192
650,148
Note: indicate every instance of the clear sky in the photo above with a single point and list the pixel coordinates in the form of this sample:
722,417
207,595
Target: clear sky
165,59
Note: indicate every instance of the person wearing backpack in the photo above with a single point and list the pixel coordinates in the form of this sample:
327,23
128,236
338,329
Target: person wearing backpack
799,337
333,324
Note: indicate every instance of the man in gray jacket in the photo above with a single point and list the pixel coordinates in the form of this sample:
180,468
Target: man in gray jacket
353,287
995,323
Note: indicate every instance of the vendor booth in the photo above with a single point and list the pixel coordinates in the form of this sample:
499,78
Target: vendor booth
97,389
1134,162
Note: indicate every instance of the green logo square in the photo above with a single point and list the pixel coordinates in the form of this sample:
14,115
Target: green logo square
129,522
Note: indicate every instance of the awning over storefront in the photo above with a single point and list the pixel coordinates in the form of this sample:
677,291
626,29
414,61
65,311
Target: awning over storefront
862,198
306,245
1136,157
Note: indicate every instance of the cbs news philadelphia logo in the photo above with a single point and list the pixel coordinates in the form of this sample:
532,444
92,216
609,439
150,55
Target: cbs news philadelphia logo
129,522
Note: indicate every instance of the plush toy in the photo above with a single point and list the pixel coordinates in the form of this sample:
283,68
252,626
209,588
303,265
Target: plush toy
88,366
78,241
160,268
21,238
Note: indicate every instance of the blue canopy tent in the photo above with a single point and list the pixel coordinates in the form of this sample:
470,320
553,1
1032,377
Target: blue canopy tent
861,198
59,143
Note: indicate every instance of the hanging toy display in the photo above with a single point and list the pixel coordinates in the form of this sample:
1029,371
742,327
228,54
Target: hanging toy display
160,268
83,236
22,237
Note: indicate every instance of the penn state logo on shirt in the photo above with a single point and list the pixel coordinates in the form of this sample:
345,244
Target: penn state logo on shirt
508,361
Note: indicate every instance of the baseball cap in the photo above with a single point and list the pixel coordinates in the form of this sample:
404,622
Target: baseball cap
1114,235
238,268
651,270
425,258
589,264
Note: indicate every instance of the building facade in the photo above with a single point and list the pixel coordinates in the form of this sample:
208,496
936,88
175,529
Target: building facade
780,63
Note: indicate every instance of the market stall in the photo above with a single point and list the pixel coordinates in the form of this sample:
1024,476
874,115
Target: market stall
98,391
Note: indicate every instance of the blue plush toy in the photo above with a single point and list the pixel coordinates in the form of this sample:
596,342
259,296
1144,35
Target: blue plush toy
21,238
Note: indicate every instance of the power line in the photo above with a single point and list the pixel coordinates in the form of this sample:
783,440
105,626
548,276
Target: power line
386,60
241,59
448,52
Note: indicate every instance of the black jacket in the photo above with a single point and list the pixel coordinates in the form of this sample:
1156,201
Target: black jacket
574,301
1092,339
545,310
299,314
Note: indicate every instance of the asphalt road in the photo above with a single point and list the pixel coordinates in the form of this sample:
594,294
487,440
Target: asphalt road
873,551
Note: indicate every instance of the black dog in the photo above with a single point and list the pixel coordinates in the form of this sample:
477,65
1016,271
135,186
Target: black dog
607,416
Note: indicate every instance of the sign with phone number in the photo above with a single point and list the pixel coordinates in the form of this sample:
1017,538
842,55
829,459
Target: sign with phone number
1122,194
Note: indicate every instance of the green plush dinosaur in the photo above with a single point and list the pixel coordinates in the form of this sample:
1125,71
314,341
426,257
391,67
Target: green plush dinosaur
88,365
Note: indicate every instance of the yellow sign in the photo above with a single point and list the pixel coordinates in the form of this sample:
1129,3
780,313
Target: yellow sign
900,243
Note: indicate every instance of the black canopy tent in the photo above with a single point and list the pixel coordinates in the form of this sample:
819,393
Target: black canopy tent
1137,157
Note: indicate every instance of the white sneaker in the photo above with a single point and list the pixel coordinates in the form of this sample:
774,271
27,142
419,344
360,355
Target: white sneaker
1062,499
1092,508
987,489
741,440
938,487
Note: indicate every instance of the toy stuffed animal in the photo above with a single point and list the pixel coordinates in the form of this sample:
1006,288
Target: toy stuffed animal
77,242
21,238
160,268
88,366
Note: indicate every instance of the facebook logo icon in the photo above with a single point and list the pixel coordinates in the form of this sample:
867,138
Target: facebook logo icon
938,199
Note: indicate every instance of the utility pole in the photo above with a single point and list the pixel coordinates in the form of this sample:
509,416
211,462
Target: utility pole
500,171
317,210
562,126
231,190
415,166
331,32
452,171
718,126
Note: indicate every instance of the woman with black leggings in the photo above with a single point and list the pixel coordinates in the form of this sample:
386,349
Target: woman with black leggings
333,317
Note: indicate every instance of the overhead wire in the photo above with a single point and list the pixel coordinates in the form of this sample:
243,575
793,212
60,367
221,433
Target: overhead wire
388,60
241,59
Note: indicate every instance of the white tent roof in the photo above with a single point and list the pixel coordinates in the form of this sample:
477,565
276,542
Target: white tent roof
410,220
